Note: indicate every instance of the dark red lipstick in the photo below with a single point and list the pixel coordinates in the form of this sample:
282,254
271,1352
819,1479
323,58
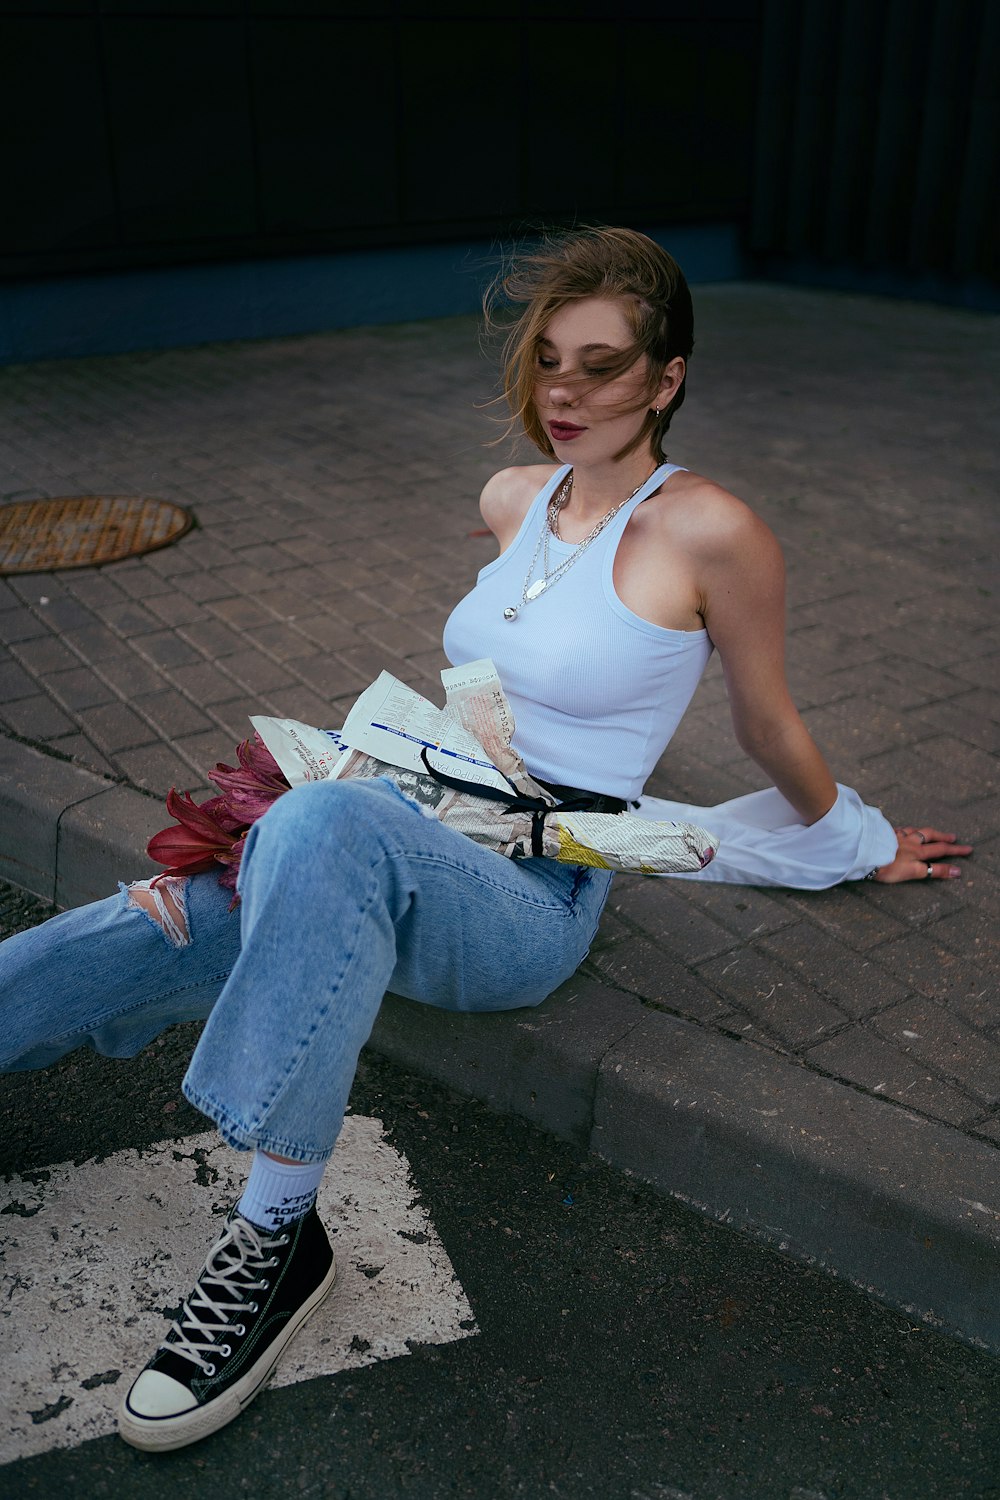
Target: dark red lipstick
565,432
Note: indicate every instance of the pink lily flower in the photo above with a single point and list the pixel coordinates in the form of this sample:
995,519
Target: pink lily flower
197,841
249,789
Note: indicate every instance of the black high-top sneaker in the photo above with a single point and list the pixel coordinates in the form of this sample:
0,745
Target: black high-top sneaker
255,1293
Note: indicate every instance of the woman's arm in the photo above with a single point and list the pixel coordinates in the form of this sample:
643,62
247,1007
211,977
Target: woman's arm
743,606
744,611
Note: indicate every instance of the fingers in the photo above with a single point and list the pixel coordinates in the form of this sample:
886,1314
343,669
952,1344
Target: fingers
931,843
941,850
909,867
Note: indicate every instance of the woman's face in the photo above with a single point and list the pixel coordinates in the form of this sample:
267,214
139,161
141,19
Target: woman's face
588,420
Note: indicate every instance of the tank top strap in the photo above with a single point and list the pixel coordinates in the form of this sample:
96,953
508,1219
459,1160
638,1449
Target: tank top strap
643,493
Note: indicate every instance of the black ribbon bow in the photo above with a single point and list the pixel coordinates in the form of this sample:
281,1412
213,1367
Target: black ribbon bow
514,801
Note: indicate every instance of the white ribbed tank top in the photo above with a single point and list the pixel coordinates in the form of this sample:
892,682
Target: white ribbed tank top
596,690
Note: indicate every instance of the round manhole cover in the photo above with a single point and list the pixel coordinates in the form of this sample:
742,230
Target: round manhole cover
40,536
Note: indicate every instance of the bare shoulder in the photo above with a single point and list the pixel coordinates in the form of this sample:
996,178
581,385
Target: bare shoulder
507,495
714,525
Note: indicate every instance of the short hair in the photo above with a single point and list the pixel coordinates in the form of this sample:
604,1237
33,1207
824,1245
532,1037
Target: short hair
598,261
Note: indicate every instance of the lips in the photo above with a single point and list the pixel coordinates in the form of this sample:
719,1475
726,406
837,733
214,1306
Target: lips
564,432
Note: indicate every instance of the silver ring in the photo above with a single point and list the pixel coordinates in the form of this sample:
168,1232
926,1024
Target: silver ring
921,836
930,872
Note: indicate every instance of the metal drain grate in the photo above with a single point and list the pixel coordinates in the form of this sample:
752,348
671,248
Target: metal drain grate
79,531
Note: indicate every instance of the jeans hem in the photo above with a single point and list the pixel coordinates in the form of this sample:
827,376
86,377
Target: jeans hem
241,1138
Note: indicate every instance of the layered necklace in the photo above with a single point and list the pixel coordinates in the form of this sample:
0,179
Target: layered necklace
550,527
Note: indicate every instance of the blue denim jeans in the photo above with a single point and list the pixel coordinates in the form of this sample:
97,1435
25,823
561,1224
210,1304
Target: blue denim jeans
348,890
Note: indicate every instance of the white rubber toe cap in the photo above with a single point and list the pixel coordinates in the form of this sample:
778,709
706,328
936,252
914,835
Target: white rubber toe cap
156,1395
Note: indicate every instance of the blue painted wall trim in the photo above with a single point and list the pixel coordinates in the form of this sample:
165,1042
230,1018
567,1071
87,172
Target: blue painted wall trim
75,316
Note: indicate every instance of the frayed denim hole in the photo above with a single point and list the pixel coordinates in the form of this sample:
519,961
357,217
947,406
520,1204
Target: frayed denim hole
174,935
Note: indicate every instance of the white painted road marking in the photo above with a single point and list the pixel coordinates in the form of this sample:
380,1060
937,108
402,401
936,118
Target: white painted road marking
93,1255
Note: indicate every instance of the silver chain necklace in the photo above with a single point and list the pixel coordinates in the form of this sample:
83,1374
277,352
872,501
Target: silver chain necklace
550,526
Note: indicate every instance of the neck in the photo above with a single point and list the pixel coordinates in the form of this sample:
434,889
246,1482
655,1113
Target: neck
599,487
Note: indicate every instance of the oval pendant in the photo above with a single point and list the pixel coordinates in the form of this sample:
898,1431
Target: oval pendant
536,588
510,613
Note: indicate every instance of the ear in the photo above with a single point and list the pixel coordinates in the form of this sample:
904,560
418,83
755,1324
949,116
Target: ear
670,383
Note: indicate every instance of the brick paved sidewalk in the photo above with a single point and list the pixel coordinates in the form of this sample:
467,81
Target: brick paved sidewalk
333,478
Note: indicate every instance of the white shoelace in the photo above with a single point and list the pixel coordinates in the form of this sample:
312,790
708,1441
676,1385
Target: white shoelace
240,1252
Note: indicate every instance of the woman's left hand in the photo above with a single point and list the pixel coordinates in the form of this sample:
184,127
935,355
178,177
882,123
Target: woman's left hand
924,854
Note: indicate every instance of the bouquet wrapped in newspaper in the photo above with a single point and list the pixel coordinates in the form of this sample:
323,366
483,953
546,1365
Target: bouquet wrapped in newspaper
457,763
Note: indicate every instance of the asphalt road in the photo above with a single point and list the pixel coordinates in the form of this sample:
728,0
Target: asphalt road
627,1347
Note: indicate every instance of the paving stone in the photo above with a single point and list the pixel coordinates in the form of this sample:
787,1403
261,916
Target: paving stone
898,683
242,612
114,727
97,643
864,1059
212,638
857,982
203,587
157,768
66,614
855,729
963,717
242,581
327,630
78,688
37,718
94,588
43,654
944,1041
15,682
210,747
255,672
674,924
165,648
176,609
923,965
83,752
203,683
287,603
128,674
131,618
297,702
641,968
746,911
172,715
368,661
776,1004
398,637
914,770
849,913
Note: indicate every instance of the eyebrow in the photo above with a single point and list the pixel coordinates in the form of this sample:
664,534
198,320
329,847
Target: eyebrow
584,348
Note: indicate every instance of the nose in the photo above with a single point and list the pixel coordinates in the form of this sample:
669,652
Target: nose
561,393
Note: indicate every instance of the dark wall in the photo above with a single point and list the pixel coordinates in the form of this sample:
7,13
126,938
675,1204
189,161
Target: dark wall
142,133
878,136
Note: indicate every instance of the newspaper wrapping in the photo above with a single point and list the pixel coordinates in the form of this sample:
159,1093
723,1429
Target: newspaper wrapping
394,733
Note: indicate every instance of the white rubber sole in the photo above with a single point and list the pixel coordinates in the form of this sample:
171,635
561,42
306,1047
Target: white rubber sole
160,1434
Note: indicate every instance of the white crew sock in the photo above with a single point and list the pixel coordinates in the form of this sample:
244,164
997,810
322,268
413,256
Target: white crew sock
278,1192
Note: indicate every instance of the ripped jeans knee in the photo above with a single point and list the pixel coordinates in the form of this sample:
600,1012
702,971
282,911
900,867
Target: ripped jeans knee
164,901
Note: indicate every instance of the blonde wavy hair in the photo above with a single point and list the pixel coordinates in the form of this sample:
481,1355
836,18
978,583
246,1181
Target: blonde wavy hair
598,261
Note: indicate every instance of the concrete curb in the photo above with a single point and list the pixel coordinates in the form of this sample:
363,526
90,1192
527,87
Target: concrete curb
888,1201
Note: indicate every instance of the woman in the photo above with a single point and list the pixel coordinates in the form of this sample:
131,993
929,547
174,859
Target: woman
617,575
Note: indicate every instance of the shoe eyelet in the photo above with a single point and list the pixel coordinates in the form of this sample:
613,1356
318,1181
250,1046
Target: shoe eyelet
209,1370
225,1350
284,1240
272,1262
239,1330
252,1307
265,1286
